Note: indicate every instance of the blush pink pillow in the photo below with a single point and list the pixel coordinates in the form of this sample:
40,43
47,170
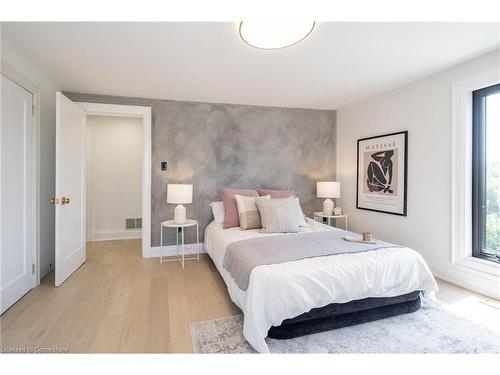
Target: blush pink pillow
231,217
276,193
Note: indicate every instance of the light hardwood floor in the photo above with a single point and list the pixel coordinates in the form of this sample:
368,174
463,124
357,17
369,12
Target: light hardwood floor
119,302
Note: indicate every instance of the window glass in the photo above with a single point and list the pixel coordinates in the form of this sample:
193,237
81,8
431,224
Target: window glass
492,135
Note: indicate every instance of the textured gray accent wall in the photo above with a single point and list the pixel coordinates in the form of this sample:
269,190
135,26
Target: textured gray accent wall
214,145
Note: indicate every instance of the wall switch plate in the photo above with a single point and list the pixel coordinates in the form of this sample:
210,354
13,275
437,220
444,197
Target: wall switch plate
163,165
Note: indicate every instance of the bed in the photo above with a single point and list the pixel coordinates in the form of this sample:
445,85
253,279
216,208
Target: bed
305,296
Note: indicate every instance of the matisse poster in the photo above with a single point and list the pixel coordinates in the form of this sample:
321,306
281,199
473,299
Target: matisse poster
382,173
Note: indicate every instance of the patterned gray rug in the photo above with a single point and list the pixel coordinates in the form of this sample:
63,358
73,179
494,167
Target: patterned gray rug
429,330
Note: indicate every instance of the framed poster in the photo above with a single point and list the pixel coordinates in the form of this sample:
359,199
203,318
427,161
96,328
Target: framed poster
382,173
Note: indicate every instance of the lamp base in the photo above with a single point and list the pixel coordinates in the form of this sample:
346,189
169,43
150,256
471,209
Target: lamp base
328,207
180,214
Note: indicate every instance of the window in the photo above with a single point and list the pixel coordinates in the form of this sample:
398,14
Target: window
486,173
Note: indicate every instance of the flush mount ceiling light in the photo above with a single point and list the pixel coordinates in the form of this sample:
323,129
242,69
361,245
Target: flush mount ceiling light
274,35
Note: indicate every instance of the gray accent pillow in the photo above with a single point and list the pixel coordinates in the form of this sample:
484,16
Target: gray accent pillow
278,215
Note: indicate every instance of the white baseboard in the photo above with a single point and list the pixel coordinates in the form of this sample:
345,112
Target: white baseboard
171,250
115,234
487,286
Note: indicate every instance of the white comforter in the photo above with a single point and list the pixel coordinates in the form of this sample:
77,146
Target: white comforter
281,291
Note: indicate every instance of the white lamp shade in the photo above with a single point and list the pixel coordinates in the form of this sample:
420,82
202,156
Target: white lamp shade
328,189
179,193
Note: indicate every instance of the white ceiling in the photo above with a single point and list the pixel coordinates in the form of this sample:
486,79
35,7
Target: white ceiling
338,64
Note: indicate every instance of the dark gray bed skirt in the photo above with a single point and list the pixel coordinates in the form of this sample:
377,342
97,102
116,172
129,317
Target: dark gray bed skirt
338,315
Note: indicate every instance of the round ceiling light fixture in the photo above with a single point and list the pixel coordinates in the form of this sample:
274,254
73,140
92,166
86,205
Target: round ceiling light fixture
275,35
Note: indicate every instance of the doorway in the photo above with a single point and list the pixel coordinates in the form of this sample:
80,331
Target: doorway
114,177
71,187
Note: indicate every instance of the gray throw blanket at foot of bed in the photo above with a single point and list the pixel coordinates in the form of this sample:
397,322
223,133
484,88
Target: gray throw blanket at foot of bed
243,256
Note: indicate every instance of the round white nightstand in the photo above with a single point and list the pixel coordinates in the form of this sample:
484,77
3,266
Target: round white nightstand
180,244
319,216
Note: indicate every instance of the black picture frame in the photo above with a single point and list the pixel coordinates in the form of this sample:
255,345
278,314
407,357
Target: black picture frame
405,174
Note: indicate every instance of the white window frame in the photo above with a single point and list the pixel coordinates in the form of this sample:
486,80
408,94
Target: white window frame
461,197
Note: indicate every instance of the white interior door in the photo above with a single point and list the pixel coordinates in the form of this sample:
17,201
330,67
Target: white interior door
17,225
70,188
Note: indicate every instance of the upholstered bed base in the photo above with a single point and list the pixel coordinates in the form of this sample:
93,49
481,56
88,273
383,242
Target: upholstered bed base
338,315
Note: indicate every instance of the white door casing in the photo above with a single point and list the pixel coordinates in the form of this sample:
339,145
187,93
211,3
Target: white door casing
144,113
70,230
17,204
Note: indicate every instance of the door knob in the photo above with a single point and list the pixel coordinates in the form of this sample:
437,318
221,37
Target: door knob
64,200
54,201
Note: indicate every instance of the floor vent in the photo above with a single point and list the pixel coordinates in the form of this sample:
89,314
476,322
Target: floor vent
129,223
133,223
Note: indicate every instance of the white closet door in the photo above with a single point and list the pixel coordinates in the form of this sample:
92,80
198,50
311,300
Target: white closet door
17,226
70,188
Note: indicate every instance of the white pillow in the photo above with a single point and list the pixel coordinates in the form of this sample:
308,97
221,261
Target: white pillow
218,211
300,214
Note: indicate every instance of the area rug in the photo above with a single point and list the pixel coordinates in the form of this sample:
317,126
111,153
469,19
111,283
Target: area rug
431,329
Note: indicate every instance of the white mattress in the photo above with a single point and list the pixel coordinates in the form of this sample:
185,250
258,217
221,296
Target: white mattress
281,291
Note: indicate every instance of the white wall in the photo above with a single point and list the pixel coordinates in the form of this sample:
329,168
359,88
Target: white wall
424,108
15,62
114,176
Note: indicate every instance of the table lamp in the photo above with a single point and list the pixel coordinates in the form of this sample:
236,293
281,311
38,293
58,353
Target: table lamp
179,194
328,190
